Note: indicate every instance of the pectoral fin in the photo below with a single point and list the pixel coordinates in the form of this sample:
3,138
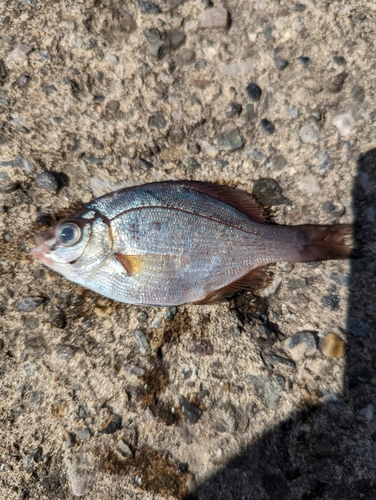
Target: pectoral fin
131,263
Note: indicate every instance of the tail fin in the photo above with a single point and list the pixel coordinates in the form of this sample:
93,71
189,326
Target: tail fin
322,242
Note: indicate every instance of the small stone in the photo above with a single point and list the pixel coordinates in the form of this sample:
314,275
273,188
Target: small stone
237,69
113,105
185,57
309,184
334,208
142,316
267,126
280,63
19,53
272,288
233,109
257,155
24,163
301,344
300,7
83,434
269,193
71,440
35,399
332,346
201,64
49,89
192,166
212,18
268,389
47,181
304,61
291,113
343,123
336,84
175,38
208,148
189,410
23,81
111,59
32,457
113,426
29,304
123,449
357,326
57,317
80,467
227,415
148,8
176,134
297,283
322,162
65,352
279,162
157,121
272,359
357,93
10,188
307,134
253,92
145,163
157,47
231,140
143,343
134,370
313,86
339,60
331,302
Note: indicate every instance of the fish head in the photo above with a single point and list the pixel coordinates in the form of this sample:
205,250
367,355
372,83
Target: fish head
76,245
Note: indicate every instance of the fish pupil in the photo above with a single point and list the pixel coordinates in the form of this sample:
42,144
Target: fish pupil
67,234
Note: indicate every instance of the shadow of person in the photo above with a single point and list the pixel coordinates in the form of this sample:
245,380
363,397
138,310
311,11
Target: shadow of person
327,451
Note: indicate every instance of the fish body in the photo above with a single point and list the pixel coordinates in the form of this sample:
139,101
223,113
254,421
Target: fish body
172,243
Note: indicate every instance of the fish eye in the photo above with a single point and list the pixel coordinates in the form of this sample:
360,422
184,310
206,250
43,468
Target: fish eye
68,233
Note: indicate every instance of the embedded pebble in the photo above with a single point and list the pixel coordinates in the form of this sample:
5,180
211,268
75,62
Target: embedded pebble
19,53
253,92
304,61
175,38
142,316
32,458
80,468
308,134
280,63
308,184
231,140
343,123
189,410
301,344
143,342
339,60
279,162
83,434
65,352
322,162
10,188
185,57
267,126
297,283
331,302
113,426
291,113
29,304
272,359
123,449
233,109
272,288
134,370
113,105
155,43
71,440
341,279
257,155
111,59
148,7
236,69
357,94
212,18
336,84
269,193
157,121
47,181
227,416
332,346
208,148
268,389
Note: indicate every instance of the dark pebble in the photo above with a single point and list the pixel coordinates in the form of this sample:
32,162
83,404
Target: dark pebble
142,317
167,417
145,163
253,92
35,399
250,112
331,302
29,304
5,20
280,63
32,457
112,427
189,410
337,82
171,312
57,317
113,105
185,57
47,181
192,165
333,208
201,64
268,192
230,140
49,89
272,359
98,98
93,160
157,121
2,344
157,47
176,134
23,81
71,440
10,188
176,38
267,126
339,60
233,109
193,148
279,162
268,33
357,93
299,7
304,61
148,8
65,352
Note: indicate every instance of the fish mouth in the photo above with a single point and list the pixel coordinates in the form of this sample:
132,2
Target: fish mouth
41,251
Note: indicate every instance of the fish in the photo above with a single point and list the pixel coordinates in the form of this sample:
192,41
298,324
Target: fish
178,242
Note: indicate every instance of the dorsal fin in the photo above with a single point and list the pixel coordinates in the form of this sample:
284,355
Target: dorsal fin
234,197
255,279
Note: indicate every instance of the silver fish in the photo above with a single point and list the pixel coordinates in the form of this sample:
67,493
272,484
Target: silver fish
171,243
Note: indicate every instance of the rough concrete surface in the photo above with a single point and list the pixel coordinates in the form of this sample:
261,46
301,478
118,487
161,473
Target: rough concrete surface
261,398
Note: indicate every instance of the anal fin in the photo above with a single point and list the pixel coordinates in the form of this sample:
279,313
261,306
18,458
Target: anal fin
255,279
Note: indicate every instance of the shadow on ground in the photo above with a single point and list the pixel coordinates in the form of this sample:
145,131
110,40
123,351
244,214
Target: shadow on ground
327,451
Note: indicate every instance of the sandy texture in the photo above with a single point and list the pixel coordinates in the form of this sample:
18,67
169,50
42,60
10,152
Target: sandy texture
219,402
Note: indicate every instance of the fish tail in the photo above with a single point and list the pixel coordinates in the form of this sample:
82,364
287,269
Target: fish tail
321,242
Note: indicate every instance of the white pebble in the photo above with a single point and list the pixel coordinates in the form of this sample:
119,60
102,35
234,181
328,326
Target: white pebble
307,134
111,58
19,53
343,123
208,148
308,184
272,288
